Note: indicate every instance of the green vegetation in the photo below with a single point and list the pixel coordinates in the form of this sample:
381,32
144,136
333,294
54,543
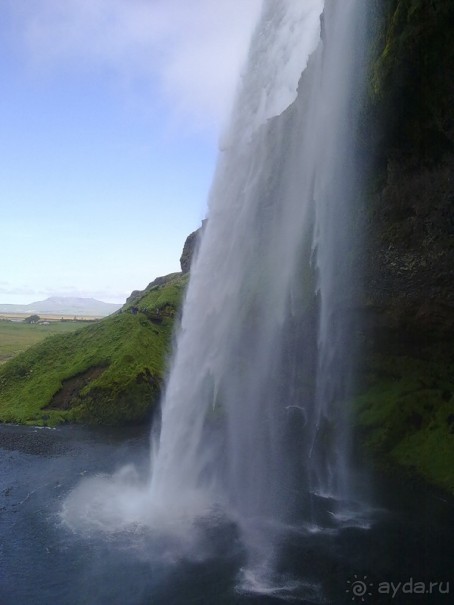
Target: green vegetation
107,373
17,336
410,83
406,415
165,298
32,319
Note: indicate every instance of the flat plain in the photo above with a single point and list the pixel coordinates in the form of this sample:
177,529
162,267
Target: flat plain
16,336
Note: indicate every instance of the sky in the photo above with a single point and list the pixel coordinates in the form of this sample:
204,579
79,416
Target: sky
110,117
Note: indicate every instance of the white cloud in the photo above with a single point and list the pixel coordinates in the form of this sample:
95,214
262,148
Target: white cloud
191,50
24,294
8,289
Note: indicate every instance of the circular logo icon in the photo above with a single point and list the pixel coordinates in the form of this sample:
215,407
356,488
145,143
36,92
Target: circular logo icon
359,588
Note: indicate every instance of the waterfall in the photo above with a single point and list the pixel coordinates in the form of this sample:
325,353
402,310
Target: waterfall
254,428
254,417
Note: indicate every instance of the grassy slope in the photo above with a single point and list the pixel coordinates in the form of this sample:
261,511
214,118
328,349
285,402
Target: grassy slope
16,337
110,372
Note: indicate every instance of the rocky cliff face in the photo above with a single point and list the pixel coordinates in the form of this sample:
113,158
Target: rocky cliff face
409,280
187,255
410,225
406,411
190,248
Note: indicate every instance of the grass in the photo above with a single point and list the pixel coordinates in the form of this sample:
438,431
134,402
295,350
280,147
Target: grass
164,299
16,337
109,372
406,416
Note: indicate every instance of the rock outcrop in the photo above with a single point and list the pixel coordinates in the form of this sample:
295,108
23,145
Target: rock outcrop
190,248
406,408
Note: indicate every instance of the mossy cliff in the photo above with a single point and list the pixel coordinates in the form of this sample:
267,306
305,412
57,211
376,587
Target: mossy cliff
110,372
411,83
405,413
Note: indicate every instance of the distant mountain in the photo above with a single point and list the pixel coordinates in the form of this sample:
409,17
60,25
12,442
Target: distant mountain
63,305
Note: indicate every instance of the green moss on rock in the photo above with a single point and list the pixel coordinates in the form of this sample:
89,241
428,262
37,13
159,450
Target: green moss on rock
405,411
410,82
406,414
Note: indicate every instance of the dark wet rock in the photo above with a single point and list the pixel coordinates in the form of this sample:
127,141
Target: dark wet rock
190,248
70,393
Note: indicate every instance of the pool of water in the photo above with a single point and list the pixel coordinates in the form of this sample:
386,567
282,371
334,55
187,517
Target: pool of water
403,553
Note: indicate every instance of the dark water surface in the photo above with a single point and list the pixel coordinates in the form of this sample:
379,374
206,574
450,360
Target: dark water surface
408,546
